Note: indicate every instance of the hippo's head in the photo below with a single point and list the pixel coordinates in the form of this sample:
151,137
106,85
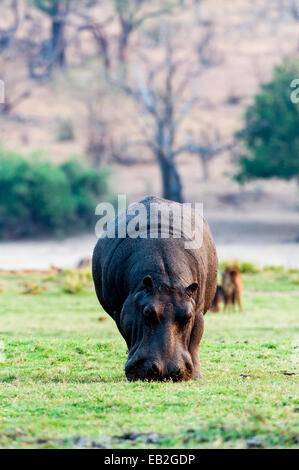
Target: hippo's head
156,323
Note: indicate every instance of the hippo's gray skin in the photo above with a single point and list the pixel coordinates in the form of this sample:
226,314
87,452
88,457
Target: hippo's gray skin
157,291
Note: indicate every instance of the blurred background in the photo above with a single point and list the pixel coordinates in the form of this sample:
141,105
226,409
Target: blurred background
191,100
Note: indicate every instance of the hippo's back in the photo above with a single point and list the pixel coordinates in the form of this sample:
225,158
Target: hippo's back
158,245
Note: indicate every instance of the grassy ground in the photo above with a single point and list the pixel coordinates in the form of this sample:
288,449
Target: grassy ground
62,380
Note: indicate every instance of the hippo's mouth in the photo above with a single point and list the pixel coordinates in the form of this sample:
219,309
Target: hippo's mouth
147,370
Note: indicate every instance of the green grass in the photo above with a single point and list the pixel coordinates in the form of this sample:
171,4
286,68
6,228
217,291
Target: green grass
62,381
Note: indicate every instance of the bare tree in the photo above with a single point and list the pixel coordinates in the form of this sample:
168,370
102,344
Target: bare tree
274,11
7,35
294,9
12,102
111,24
101,36
129,16
164,95
288,7
17,87
98,144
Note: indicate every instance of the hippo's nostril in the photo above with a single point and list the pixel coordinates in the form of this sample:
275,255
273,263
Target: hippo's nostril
189,367
134,369
143,369
176,374
138,364
157,371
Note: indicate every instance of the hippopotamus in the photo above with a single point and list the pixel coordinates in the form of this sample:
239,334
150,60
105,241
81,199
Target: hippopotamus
157,289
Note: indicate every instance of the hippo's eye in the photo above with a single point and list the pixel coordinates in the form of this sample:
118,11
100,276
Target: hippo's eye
150,312
184,318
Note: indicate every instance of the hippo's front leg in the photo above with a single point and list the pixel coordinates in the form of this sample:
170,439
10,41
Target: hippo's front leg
195,339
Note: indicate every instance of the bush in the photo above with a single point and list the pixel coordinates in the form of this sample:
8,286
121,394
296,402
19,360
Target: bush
75,281
270,135
39,198
86,185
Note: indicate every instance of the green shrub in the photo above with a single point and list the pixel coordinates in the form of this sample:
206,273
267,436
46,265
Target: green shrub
39,198
86,185
270,134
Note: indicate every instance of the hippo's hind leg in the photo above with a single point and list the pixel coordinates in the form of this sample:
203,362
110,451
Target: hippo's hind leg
195,339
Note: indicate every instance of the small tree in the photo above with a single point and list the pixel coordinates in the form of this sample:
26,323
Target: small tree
271,132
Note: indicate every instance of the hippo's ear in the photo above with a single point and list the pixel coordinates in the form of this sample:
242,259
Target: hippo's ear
192,288
148,282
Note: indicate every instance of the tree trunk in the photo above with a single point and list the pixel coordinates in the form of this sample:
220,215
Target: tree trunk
123,46
58,45
205,167
126,29
172,187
